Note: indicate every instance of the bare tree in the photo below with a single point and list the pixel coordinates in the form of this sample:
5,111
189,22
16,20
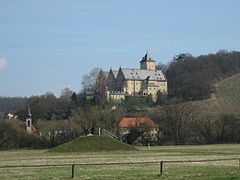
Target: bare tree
66,92
86,119
56,131
221,128
89,80
8,132
175,121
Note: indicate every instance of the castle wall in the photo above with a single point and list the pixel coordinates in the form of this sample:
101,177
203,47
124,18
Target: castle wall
136,86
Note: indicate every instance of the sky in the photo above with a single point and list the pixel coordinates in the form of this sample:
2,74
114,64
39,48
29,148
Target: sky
46,45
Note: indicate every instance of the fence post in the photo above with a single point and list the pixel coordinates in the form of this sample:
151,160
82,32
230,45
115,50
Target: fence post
72,171
161,168
239,163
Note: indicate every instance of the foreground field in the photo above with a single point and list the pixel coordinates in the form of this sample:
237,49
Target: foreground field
207,170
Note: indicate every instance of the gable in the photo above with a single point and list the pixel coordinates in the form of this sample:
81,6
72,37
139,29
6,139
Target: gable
120,75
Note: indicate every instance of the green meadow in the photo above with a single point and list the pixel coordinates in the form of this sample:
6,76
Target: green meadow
202,170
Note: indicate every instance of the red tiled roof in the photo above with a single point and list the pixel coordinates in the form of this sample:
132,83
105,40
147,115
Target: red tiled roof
135,122
33,128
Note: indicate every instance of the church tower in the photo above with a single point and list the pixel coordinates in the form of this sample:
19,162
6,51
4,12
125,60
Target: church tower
29,121
147,63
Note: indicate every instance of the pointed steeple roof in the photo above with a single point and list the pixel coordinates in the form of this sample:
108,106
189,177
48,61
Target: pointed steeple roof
29,113
147,57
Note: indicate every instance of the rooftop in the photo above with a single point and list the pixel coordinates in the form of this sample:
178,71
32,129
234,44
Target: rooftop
143,74
148,58
136,122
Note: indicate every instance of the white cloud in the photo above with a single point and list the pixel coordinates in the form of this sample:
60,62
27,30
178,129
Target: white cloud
3,63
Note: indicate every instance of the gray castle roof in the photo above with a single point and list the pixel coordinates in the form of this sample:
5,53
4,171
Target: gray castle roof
142,74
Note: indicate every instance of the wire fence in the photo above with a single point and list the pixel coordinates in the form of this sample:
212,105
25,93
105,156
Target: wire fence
161,163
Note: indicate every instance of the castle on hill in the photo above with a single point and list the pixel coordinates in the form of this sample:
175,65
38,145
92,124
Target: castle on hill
146,81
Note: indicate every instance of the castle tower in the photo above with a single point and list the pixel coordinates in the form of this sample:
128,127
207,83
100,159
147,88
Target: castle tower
147,63
29,121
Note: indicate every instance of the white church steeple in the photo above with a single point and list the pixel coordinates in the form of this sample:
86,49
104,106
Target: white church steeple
29,121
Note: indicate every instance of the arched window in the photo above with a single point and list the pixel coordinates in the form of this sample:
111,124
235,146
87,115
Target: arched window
28,123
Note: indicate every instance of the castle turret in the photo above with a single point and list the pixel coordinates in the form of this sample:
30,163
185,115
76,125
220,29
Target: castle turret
147,63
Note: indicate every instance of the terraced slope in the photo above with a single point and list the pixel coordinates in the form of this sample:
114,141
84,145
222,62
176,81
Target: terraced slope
229,87
227,99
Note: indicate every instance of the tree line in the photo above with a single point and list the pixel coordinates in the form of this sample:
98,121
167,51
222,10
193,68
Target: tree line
192,78
63,118
11,104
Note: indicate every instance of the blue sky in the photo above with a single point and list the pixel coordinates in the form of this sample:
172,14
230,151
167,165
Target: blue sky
48,45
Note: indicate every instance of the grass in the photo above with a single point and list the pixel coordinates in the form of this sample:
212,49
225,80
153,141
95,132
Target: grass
226,100
229,87
199,171
92,144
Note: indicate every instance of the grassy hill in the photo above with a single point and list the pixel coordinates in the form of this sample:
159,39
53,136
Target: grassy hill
229,87
93,144
226,99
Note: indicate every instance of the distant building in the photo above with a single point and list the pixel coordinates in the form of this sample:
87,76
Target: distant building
10,116
29,125
90,94
126,124
23,125
116,95
146,81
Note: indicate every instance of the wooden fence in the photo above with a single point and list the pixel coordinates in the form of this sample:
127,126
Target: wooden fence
161,163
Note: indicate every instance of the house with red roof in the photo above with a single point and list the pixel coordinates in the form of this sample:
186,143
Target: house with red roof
152,129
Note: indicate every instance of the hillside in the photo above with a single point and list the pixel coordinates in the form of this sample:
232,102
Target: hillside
226,99
12,104
192,78
93,144
229,87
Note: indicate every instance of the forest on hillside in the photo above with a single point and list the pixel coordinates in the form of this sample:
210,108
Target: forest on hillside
189,79
193,78
12,104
